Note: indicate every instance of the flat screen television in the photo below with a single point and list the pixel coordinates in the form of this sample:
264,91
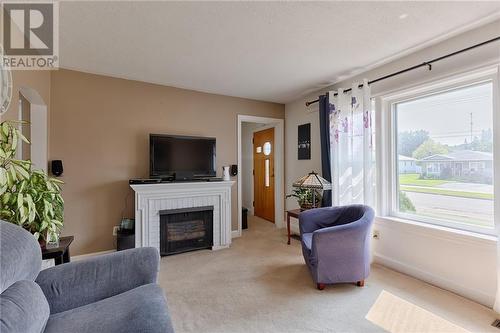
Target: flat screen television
181,157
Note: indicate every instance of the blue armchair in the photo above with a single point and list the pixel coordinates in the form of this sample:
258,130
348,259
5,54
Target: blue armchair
110,293
336,243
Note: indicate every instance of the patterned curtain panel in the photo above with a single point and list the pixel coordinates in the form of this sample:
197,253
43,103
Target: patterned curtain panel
351,146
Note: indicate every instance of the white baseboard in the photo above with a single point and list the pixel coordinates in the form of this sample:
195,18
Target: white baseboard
447,284
235,233
89,255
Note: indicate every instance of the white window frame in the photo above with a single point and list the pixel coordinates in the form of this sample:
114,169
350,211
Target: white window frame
387,191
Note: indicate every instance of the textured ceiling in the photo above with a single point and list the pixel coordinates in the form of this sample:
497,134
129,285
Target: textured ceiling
272,51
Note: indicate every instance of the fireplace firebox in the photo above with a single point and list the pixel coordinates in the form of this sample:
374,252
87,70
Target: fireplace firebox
186,229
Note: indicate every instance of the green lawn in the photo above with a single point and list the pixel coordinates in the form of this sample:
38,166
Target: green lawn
413,179
463,194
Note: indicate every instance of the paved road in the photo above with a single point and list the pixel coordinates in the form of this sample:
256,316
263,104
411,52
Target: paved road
471,211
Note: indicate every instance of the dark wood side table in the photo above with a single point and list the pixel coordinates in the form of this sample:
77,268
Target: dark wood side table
291,213
60,254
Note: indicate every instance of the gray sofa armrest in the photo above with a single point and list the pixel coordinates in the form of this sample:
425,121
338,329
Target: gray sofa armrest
79,283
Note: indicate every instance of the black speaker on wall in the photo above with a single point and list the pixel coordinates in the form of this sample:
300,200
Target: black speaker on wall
234,170
56,167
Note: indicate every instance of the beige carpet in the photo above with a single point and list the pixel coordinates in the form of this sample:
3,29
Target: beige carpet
261,284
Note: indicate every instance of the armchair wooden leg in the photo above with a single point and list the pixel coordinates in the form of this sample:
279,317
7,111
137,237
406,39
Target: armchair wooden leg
360,283
320,286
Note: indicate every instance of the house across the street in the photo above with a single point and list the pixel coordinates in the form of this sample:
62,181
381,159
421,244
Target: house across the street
458,164
408,165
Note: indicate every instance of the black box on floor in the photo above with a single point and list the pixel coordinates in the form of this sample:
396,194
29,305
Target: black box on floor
125,239
244,220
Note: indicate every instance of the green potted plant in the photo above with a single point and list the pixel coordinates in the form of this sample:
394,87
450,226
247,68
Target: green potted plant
28,197
305,197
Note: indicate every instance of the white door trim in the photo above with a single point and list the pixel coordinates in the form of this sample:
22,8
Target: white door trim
38,128
279,158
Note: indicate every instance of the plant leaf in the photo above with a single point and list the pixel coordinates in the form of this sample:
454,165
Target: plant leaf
5,128
22,171
20,200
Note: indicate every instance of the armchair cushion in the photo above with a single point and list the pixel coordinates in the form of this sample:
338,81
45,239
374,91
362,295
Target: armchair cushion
20,253
83,282
142,309
23,308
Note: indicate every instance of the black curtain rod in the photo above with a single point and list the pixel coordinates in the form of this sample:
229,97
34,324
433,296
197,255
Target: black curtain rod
424,64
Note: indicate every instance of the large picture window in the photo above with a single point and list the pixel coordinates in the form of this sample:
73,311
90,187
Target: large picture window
443,157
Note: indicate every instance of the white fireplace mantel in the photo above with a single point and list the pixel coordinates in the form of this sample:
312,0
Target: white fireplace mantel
150,199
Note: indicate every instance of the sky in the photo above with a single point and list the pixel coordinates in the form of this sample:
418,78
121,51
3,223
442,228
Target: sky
446,116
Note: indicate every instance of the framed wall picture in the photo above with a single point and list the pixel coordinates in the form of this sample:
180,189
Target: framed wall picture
304,142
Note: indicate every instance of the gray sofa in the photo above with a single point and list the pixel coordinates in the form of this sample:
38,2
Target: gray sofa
109,293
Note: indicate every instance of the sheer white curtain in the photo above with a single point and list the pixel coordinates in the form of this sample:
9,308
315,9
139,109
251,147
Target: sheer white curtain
496,129
351,146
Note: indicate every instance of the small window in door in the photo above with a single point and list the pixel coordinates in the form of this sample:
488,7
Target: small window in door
267,148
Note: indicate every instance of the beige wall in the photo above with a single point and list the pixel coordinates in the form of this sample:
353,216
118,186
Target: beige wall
295,168
100,127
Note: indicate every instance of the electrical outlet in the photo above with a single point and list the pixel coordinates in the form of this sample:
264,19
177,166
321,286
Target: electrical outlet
115,230
376,234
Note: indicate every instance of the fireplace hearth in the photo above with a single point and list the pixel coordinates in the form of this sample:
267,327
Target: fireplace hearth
186,229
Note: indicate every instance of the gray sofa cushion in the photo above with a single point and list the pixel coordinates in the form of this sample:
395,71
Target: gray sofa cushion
21,255
24,308
142,309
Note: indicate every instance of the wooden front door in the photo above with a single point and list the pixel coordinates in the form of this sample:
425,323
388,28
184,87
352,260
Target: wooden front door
263,179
